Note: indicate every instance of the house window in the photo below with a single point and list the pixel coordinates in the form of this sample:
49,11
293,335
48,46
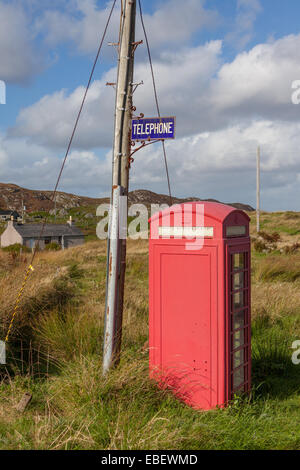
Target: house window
47,241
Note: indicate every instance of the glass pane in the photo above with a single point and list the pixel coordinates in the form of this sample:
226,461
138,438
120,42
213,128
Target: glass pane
238,281
238,320
235,230
238,377
237,339
238,300
238,358
238,261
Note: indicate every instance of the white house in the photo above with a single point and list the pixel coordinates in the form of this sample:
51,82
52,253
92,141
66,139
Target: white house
66,235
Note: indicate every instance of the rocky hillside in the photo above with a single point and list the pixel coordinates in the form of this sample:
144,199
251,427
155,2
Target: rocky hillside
12,196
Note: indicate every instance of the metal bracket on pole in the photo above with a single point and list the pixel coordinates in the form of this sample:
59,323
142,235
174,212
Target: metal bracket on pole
116,46
144,144
113,84
141,115
135,85
135,45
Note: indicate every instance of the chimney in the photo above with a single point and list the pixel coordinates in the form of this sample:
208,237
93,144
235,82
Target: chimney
70,221
11,221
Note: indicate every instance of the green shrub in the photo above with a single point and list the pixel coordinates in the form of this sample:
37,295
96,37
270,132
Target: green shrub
290,215
75,272
53,246
290,249
269,237
38,214
16,248
260,246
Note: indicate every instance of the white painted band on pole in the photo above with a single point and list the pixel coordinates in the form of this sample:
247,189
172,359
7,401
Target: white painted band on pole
112,281
2,352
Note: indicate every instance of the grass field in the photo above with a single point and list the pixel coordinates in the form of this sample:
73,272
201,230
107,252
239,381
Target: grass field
56,346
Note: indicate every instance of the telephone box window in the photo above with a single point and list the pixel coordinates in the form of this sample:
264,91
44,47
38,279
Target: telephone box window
236,231
238,281
238,261
238,377
238,339
238,320
238,358
238,300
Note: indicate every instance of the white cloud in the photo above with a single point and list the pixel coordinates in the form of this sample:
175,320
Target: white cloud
222,165
259,81
192,84
35,166
182,80
82,22
19,60
247,12
50,121
218,164
175,21
223,110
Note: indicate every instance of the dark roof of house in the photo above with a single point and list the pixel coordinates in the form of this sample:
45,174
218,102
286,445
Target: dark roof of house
50,230
8,212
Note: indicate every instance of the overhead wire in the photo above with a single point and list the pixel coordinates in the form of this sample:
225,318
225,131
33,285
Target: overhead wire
75,126
156,99
52,198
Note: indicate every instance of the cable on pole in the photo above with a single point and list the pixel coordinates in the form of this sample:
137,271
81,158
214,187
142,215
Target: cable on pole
36,247
156,99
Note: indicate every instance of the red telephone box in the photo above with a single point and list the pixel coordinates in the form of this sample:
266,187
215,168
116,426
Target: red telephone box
199,302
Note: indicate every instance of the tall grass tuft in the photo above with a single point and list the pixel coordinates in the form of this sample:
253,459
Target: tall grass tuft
54,294
278,268
271,347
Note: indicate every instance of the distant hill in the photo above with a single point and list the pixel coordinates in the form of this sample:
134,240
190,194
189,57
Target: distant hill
11,197
148,197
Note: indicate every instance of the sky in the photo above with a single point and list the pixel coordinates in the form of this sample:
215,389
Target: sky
225,69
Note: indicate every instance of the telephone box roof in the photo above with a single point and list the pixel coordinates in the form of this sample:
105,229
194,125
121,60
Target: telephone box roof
215,210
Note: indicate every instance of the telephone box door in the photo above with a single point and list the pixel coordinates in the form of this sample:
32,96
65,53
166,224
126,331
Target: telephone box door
185,323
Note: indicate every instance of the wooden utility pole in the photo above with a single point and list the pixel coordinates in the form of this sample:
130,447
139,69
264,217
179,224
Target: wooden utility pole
116,252
55,207
258,190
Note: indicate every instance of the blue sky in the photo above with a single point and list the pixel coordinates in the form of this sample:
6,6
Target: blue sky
224,68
